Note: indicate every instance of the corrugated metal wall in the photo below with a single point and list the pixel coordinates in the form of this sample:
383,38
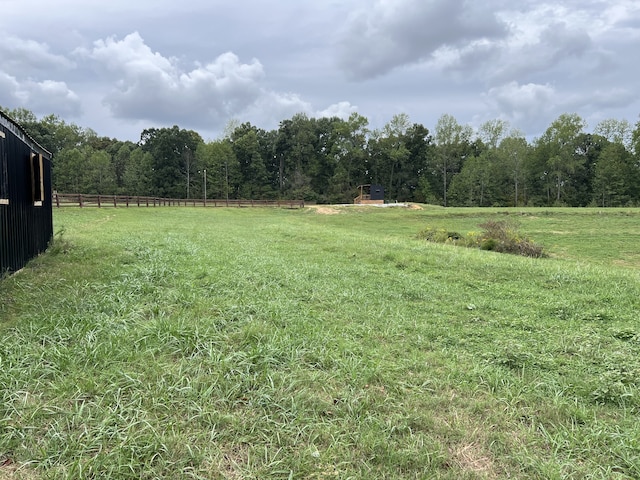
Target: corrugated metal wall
26,222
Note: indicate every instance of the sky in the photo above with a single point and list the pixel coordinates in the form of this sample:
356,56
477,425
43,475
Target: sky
122,66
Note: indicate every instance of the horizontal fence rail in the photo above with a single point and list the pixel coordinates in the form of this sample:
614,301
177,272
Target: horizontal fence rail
80,200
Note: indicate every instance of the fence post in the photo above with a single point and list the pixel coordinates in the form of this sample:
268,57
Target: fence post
114,202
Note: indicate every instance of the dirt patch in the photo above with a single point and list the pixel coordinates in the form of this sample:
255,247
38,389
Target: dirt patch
470,457
326,210
13,471
413,206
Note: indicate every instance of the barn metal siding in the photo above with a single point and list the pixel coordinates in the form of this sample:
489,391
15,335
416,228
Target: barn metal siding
25,227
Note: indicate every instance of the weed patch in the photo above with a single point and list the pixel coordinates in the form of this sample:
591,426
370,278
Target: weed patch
500,236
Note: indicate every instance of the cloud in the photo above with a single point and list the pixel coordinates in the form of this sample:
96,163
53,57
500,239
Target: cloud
150,86
26,80
24,58
530,104
556,44
387,35
41,97
269,108
341,110
525,61
539,41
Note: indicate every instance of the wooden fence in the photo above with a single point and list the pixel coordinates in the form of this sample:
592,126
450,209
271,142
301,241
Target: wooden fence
80,200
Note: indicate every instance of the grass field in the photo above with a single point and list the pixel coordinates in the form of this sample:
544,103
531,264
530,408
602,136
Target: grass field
267,343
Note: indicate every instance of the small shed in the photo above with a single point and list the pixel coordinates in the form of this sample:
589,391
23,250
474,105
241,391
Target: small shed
370,195
26,217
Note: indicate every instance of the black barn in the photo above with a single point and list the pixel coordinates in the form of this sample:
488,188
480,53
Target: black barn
26,223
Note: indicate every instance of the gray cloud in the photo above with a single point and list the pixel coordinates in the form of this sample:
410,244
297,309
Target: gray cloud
27,57
522,56
525,61
530,102
387,35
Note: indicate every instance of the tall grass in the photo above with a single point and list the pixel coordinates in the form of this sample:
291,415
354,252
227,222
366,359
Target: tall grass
241,343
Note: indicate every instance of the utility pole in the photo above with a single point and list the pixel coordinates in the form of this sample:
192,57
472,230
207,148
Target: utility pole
226,178
205,187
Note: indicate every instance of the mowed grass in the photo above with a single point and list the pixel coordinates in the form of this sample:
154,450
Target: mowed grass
266,343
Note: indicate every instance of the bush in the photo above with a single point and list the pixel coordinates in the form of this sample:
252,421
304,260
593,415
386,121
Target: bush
503,236
439,235
497,236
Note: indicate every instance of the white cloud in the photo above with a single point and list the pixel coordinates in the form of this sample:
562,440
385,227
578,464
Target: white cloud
40,97
151,86
341,110
270,108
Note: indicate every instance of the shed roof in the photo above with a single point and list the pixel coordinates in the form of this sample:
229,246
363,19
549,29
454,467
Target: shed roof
17,129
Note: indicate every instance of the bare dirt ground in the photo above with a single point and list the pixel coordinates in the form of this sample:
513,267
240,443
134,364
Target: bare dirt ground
334,209
325,210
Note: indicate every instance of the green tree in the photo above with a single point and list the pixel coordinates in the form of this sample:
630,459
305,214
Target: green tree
99,174
419,143
615,182
69,171
556,148
616,131
223,170
174,161
137,178
471,187
492,132
255,179
296,153
513,152
348,155
121,163
390,156
453,146
635,142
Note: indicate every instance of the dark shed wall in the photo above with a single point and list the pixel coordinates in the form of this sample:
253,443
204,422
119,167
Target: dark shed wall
376,192
25,229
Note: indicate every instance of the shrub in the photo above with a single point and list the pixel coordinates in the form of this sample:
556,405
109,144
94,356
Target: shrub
503,236
497,235
438,235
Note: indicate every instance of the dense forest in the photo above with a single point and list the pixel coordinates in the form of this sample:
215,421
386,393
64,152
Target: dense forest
324,160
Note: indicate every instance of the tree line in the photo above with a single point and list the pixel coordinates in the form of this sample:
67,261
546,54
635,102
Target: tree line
326,159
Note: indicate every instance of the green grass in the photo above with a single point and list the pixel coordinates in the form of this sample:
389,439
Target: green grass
266,343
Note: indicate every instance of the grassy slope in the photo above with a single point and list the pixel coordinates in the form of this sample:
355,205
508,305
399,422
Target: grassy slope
257,343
